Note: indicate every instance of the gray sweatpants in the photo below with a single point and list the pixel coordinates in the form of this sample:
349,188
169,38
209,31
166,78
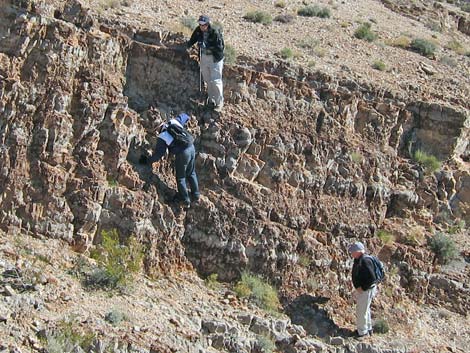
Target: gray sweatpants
212,75
363,315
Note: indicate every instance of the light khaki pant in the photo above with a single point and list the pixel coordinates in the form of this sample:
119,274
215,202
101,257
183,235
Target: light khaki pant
363,312
212,75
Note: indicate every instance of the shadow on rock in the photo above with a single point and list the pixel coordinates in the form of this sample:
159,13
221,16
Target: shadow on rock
305,311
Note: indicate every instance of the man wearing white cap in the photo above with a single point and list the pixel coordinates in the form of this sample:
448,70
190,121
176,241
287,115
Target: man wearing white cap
364,281
211,46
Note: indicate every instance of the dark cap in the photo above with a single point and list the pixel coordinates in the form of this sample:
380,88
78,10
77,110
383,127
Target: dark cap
203,19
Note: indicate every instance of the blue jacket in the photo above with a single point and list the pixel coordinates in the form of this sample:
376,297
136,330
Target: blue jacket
164,140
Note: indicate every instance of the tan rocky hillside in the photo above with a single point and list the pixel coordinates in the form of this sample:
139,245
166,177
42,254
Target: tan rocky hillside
308,155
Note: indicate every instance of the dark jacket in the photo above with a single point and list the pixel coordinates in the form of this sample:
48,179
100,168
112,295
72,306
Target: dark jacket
215,42
363,273
164,142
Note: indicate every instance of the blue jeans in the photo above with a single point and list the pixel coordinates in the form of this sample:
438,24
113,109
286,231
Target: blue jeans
185,170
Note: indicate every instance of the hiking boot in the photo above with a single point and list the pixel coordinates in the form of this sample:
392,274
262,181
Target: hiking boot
196,200
359,337
186,205
218,108
371,332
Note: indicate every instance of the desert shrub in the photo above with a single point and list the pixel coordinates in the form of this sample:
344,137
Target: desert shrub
259,291
189,22
115,316
448,60
423,47
265,344
414,237
320,52
211,281
314,11
311,284
305,260
280,3
112,183
465,7
308,43
457,227
456,46
379,65
258,17
381,326
68,338
400,42
356,157
434,26
443,247
364,31
286,53
284,18
230,55
116,262
385,237
429,162
218,26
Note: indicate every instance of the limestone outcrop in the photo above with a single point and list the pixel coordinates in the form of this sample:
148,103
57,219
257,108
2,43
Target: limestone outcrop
298,164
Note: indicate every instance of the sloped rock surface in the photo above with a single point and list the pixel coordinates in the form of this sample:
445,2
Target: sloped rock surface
298,164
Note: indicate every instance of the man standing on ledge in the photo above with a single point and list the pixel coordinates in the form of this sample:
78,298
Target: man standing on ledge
363,278
211,49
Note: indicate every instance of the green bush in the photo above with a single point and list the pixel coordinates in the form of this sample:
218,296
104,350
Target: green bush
381,326
443,247
258,17
385,237
286,53
423,47
465,7
448,60
308,43
189,22
211,281
280,3
379,65
266,344
304,260
114,317
284,18
117,262
365,32
457,227
399,42
67,338
230,55
314,11
260,292
456,46
356,157
428,162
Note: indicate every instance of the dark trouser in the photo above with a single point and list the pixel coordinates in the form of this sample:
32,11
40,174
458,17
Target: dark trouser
185,169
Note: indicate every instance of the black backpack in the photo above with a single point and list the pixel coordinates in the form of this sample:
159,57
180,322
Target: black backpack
181,136
378,268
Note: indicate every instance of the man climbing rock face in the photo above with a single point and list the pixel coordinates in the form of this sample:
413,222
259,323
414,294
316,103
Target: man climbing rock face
211,49
183,149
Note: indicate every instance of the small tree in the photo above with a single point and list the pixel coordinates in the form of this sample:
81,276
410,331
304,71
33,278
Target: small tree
424,47
365,32
443,247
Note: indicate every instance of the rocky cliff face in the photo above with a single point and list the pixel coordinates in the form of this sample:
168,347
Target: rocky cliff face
297,165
